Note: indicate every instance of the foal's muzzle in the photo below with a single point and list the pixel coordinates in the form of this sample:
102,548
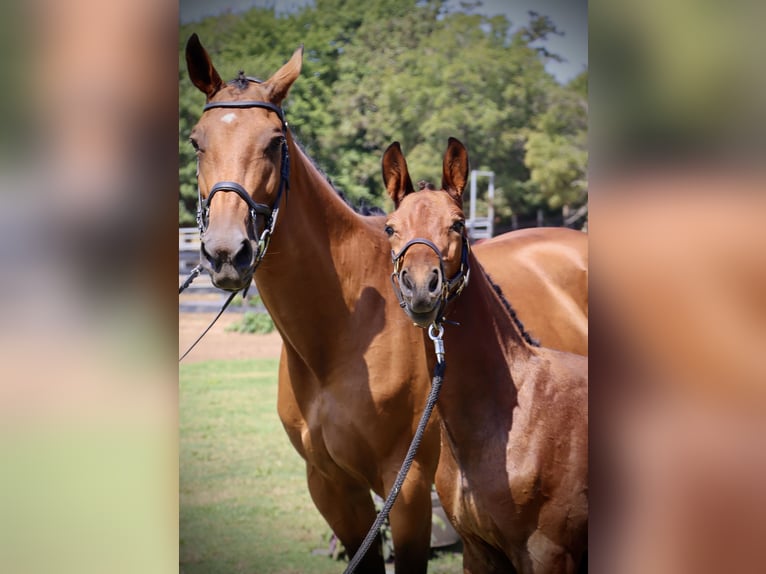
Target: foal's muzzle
425,301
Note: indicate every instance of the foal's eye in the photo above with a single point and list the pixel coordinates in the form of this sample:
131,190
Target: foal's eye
389,230
194,143
458,226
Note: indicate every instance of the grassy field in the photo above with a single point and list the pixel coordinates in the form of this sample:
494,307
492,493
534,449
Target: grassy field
244,504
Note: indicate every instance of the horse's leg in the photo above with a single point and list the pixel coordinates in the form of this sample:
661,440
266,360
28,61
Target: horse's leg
481,558
410,519
547,556
349,510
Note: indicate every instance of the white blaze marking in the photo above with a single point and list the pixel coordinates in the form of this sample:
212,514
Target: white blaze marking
228,118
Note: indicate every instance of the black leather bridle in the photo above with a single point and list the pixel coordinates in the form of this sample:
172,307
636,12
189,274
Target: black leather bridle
450,288
270,213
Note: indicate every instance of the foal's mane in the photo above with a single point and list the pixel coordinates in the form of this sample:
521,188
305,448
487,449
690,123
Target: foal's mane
423,184
512,312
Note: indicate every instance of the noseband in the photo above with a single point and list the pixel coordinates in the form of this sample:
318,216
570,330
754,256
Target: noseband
450,288
270,213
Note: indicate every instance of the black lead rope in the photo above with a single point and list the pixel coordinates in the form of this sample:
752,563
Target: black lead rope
194,344
192,276
436,385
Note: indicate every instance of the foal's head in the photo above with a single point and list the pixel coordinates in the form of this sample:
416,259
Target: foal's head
426,278
241,150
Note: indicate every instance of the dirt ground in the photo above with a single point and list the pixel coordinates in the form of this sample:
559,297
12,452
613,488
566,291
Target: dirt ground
220,344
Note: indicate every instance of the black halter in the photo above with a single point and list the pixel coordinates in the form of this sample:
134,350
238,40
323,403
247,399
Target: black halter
450,288
270,213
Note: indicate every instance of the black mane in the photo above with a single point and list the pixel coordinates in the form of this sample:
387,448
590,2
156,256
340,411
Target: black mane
364,208
242,81
512,312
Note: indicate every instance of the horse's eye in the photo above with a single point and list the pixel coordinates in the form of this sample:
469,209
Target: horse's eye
389,230
194,143
276,144
458,226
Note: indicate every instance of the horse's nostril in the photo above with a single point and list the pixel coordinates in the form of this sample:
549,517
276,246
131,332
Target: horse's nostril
244,257
406,281
434,284
214,262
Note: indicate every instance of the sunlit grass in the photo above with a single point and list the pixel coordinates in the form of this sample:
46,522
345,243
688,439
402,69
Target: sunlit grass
244,504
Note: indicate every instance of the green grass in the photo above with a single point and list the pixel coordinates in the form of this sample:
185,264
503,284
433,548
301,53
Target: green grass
244,504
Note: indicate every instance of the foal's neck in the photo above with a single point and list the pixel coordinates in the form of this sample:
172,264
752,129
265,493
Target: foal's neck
486,357
486,328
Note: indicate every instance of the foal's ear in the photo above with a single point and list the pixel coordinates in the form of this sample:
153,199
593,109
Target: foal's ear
201,70
396,177
279,84
455,169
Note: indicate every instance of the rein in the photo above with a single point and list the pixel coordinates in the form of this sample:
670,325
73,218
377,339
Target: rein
270,213
450,288
435,332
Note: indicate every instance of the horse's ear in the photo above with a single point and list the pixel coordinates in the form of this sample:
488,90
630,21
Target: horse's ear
201,70
455,169
279,84
396,177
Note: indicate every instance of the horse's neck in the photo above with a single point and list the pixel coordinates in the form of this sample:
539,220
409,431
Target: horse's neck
486,357
484,318
313,272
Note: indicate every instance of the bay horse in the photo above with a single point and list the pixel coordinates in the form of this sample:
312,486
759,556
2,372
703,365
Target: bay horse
512,474
543,271
352,374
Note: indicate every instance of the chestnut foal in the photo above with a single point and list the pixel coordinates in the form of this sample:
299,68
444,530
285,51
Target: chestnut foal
513,468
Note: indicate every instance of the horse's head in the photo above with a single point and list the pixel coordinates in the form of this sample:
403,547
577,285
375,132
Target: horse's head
427,234
242,157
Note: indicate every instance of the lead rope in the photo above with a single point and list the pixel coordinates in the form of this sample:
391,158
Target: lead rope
192,276
194,344
435,333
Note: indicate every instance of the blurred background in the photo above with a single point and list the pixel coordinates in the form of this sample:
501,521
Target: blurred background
675,193
677,136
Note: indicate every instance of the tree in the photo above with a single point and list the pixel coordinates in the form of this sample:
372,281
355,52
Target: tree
416,72
556,148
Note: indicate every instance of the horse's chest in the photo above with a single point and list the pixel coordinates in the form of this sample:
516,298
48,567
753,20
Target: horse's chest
490,496
471,498
335,436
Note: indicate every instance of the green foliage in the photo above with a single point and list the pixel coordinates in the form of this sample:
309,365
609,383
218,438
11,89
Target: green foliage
250,301
413,71
556,149
252,323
